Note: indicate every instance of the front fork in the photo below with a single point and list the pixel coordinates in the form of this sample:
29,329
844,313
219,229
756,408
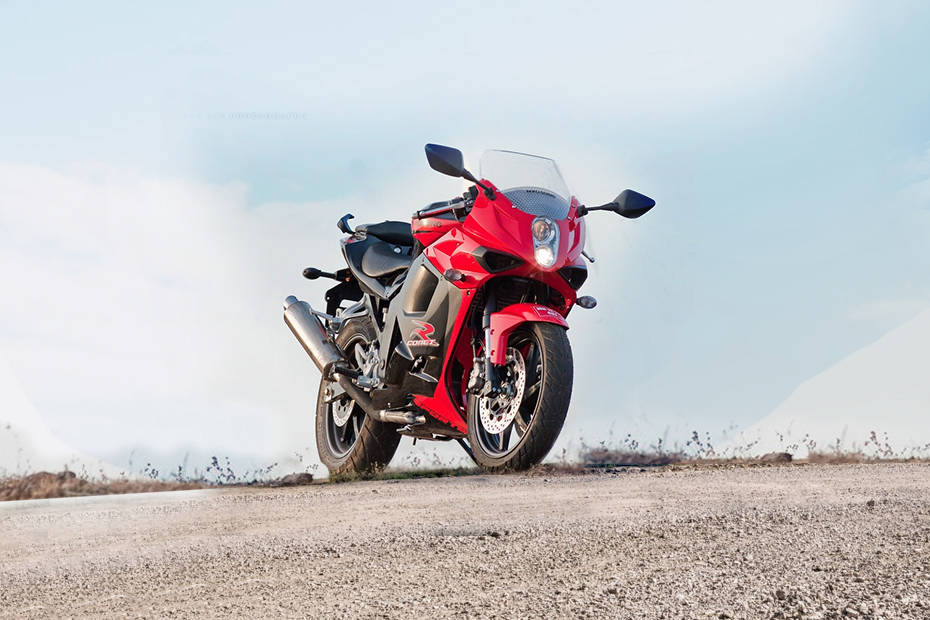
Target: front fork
493,380
490,383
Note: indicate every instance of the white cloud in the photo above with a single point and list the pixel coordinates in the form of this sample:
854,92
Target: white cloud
26,443
882,388
149,311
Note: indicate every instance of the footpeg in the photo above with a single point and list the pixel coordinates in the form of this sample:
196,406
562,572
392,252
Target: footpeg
349,372
312,273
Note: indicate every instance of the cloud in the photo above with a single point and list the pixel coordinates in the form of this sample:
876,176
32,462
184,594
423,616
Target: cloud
26,444
880,388
149,310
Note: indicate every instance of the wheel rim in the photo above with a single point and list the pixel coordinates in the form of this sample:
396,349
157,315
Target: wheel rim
498,412
503,443
344,418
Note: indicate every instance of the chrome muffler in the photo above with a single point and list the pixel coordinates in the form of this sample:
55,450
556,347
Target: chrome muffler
311,334
321,348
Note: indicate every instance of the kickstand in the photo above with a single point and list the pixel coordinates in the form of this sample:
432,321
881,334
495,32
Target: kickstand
467,449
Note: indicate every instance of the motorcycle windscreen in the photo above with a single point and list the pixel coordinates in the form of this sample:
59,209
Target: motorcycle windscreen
533,184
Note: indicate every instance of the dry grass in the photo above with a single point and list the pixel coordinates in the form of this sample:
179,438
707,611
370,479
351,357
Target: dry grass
604,457
43,485
609,456
860,457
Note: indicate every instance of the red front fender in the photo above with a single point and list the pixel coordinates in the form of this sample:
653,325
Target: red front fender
505,321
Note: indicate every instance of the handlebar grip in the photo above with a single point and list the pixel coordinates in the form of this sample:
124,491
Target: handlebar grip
438,208
431,212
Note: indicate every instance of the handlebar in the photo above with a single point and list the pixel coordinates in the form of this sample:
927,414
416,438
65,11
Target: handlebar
438,208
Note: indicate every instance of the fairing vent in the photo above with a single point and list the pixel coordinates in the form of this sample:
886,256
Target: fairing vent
496,262
509,292
575,275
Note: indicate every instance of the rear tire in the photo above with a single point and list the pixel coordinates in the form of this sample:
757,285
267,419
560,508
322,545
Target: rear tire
543,409
362,445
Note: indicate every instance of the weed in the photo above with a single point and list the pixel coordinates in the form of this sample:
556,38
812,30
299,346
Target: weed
698,451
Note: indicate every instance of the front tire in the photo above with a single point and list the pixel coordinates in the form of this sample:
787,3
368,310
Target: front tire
541,353
360,445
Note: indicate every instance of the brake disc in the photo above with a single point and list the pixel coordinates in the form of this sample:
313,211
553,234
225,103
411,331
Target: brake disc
367,359
496,413
342,410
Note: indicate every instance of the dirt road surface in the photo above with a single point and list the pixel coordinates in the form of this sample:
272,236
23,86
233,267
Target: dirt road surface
784,541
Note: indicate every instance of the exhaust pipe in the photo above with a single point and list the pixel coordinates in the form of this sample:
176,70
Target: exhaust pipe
312,335
326,355
363,400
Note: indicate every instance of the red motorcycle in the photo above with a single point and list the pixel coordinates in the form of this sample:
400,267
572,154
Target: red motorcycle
453,326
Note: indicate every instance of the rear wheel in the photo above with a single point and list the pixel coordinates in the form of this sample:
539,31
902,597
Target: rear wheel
348,440
517,429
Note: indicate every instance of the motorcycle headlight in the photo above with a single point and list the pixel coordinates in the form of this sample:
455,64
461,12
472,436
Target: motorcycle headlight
543,229
545,256
545,241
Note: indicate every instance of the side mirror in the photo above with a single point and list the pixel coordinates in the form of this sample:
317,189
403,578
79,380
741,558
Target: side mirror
628,204
446,160
632,204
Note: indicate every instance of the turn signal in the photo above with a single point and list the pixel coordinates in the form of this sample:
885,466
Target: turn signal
454,275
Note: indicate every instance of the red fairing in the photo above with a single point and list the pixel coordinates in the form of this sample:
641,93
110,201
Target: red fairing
505,321
428,229
499,226
443,404
496,225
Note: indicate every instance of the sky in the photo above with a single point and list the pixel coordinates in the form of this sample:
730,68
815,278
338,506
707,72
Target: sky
166,171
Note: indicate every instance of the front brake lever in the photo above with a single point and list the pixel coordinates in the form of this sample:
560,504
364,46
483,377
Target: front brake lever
588,256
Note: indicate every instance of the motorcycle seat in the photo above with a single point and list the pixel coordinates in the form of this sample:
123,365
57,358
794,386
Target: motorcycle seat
392,232
383,259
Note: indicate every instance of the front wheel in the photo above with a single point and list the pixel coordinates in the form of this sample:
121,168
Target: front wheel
516,429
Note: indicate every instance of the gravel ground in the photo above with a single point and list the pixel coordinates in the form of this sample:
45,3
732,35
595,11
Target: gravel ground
783,541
